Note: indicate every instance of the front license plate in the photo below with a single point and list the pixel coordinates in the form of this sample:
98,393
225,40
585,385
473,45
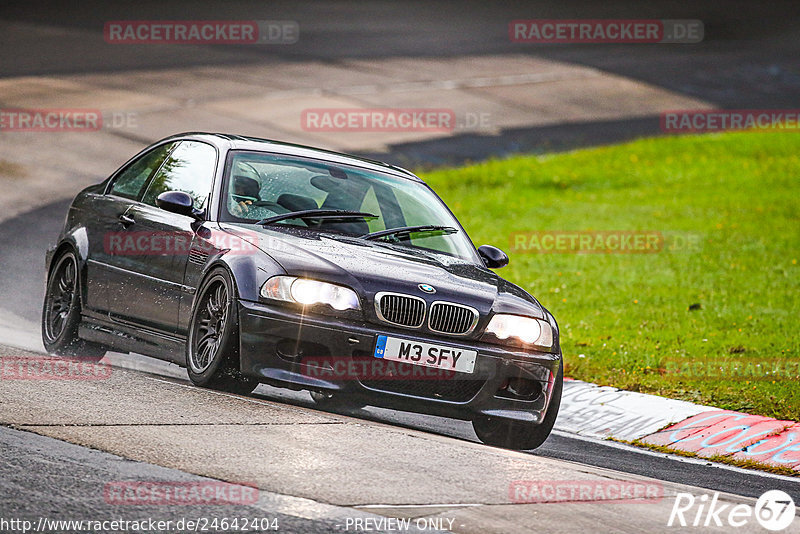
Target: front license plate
425,354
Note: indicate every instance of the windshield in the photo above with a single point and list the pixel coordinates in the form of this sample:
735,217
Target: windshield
261,186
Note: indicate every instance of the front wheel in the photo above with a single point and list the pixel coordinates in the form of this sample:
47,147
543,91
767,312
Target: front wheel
61,313
212,348
517,434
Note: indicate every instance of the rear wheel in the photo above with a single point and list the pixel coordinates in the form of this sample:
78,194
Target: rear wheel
212,349
517,434
61,313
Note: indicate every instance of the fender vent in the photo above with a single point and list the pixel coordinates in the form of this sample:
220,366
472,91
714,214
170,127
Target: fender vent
198,257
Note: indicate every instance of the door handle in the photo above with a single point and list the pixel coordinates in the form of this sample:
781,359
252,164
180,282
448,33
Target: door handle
126,220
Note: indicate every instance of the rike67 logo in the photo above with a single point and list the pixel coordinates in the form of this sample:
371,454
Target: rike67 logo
774,511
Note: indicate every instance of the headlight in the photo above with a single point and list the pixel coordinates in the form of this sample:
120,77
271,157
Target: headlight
518,329
310,292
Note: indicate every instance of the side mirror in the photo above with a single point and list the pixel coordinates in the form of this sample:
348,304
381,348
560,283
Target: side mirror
177,202
492,257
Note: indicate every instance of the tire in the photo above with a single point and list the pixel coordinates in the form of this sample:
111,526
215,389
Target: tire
212,347
61,313
334,401
516,434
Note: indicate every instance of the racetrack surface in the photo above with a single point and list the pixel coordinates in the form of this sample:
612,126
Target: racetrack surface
21,291
306,464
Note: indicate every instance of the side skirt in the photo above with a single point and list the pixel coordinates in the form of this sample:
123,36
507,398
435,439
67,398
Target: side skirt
133,339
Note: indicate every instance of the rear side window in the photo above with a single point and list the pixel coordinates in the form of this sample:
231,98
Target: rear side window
130,183
189,168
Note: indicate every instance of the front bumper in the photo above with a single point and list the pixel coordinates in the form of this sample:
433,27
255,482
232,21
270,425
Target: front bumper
286,349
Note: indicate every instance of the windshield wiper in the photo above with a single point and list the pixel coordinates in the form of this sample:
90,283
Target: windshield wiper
405,231
318,214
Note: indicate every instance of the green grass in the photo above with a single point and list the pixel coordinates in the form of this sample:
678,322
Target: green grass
632,320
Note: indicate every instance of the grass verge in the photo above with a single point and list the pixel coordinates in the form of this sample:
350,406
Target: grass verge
712,316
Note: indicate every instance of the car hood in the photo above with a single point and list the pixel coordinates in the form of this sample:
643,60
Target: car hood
370,267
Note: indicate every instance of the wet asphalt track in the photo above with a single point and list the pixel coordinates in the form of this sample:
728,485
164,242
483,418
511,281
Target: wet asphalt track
21,291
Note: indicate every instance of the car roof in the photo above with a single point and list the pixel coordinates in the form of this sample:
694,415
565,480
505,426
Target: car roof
240,142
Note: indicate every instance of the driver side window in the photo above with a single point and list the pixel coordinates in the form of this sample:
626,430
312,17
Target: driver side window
189,168
130,182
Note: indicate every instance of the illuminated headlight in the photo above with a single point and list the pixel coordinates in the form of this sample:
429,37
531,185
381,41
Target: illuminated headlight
310,292
519,329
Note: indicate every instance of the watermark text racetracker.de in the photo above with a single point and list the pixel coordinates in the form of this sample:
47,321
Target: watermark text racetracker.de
378,120
201,32
176,243
150,493
605,31
50,368
64,120
555,491
602,242
366,368
432,120
717,120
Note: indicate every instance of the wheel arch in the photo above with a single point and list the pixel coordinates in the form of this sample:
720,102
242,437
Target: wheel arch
248,272
78,243
237,272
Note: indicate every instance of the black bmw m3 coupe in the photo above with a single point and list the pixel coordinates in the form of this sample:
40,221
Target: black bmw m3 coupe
252,261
